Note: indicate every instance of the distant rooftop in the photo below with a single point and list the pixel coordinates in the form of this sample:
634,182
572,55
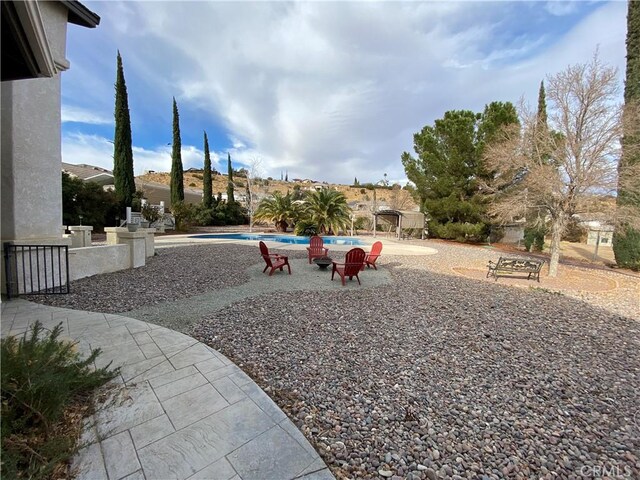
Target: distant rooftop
89,173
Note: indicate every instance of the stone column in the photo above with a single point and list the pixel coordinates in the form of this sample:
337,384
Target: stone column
137,246
149,240
112,234
80,236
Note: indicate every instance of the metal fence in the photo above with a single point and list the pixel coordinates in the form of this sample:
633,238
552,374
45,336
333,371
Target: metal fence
36,269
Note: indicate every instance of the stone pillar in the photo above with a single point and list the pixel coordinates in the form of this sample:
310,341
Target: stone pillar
115,235
80,236
149,241
137,246
112,234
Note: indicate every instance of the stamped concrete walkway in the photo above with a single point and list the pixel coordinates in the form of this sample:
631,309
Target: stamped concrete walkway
179,409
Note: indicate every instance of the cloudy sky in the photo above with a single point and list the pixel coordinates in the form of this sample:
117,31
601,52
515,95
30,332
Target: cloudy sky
321,90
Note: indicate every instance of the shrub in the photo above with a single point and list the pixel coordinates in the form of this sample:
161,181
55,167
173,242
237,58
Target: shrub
192,184
461,232
626,247
534,238
98,207
151,213
305,228
362,223
41,377
574,232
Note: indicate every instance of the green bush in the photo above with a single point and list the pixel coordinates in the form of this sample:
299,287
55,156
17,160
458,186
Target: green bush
626,248
41,377
534,238
151,213
362,223
461,232
574,232
305,228
99,208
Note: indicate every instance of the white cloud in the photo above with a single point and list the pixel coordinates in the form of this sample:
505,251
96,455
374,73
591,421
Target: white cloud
336,90
561,7
83,115
95,150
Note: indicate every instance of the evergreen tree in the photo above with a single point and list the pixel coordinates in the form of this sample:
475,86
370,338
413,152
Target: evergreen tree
125,186
626,239
230,197
207,184
286,177
177,182
448,168
542,106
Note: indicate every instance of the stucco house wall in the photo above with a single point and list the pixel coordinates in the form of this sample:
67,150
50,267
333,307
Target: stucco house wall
31,156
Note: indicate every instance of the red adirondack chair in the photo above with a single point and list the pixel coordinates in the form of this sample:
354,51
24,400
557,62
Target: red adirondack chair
372,256
316,248
273,260
353,263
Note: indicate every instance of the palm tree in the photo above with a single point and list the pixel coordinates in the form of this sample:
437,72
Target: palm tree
328,210
278,209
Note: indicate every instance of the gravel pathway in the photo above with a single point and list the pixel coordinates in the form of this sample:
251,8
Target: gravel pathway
425,376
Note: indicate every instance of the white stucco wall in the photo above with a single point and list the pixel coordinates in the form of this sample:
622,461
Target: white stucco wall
87,261
31,188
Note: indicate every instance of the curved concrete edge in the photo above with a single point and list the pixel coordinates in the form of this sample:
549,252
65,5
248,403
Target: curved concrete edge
178,410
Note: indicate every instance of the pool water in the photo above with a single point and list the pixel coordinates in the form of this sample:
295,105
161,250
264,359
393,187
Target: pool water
279,238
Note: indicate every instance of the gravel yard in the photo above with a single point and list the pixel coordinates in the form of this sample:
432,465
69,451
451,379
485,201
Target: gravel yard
430,376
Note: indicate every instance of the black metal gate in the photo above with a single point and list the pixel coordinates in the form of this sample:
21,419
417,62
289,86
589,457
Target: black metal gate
36,269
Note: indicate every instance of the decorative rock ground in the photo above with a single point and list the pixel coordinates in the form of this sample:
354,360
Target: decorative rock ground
432,376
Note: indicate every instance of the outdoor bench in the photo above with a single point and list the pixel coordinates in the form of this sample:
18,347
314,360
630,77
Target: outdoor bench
506,267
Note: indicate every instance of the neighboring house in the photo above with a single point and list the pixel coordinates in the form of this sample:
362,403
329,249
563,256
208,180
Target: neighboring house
159,192
89,173
598,232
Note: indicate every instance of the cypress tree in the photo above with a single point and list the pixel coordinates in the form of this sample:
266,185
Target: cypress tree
125,186
230,197
207,187
626,240
542,106
177,182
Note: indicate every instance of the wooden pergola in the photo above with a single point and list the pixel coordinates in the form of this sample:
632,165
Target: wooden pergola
400,219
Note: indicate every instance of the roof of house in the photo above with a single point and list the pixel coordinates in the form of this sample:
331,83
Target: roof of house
89,173
81,15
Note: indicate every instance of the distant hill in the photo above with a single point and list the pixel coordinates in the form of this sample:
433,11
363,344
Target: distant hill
400,199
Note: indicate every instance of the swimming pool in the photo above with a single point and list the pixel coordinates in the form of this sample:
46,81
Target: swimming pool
279,238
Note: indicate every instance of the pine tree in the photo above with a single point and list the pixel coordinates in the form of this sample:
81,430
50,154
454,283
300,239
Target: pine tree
177,182
207,186
286,177
230,197
125,186
626,240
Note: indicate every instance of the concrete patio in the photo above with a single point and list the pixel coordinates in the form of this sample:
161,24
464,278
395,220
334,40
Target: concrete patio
179,409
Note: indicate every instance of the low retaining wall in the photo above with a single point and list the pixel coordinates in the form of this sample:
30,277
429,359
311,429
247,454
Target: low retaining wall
87,261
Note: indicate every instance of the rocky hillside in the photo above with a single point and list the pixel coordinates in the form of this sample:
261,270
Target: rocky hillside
400,199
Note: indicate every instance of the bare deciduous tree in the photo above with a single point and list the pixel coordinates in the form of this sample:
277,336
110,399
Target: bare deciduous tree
399,199
559,170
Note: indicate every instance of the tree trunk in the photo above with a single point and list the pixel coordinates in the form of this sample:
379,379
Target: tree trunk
556,234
